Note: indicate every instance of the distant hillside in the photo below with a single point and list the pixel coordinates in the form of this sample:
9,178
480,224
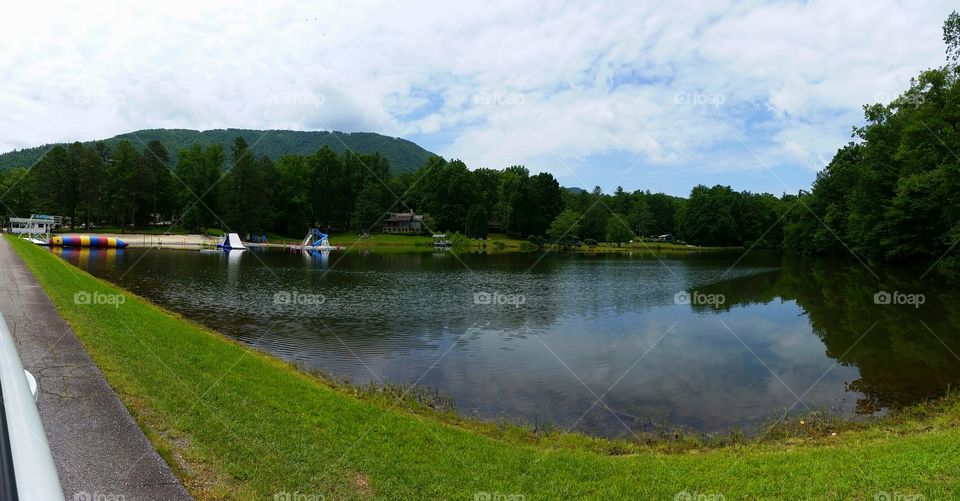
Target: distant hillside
404,156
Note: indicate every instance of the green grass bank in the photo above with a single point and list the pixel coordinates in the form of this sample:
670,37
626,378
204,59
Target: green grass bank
237,424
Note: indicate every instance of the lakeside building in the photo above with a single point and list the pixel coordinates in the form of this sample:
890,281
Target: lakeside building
405,223
38,226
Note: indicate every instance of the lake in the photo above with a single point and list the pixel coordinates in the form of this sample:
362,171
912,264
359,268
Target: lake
604,344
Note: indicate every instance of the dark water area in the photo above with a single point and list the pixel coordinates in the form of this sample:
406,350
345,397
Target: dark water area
604,344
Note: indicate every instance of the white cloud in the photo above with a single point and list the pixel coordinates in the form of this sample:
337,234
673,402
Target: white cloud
541,83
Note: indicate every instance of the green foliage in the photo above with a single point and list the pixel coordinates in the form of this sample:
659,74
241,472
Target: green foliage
245,191
446,191
111,183
710,217
595,215
664,209
546,201
512,196
293,200
159,191
371,205
719,216
951,36
564,226
101,187
458,240
121,176
640,217
403,155
18,191
892,195
520,203
476,224
617,231
199,171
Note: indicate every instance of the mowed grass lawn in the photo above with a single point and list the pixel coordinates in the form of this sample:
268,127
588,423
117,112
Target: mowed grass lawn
347,239
234,424
351,239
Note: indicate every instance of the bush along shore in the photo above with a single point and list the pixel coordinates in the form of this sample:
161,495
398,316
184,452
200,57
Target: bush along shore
234,423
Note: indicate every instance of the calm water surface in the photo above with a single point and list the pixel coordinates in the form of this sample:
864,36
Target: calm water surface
575,329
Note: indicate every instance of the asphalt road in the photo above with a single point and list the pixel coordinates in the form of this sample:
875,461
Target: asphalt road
99,450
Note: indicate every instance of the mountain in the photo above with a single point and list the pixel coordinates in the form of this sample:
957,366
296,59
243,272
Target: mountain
404,156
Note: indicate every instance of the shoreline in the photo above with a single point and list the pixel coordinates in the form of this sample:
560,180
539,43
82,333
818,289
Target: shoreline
412,243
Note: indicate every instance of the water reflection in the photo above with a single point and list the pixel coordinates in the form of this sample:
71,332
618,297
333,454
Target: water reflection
589,326
903,353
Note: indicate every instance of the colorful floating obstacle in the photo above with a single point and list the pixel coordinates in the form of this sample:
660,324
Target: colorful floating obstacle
88,241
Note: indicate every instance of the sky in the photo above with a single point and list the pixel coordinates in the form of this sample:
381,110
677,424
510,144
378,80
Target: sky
657,96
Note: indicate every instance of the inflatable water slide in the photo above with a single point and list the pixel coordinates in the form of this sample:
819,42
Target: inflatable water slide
94,241
231,241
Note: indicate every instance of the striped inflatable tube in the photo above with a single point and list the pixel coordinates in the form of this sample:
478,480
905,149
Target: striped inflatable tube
88,241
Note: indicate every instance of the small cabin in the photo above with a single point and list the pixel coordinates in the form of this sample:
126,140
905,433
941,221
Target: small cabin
664,238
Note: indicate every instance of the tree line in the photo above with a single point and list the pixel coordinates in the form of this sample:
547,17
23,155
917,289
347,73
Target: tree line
95,186
891,194
126,187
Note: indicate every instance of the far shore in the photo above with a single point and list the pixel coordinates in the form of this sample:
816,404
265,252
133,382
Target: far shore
154,240
177,240
413,243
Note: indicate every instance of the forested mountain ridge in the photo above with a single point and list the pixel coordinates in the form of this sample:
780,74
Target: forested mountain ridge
403,155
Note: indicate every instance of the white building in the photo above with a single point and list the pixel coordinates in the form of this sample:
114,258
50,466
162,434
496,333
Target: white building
37,226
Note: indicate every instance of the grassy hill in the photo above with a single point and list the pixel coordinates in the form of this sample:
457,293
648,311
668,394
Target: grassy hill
404,156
